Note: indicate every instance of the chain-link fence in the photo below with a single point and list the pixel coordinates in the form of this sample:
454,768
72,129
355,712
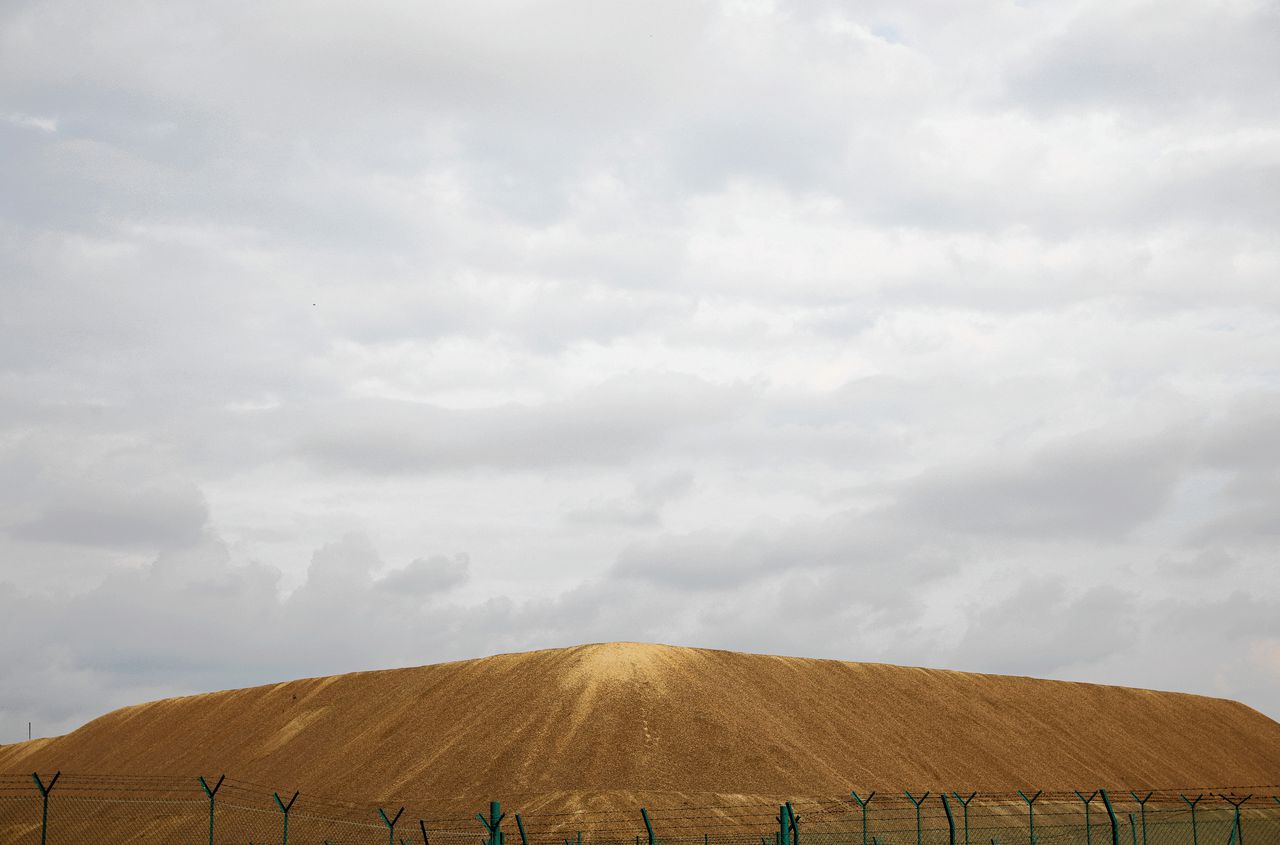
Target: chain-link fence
42,809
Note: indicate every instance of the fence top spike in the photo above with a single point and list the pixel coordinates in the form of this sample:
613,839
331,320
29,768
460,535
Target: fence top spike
965,801
46,788
914,800
1033,798
214,791
1092,795
1141,801
863,802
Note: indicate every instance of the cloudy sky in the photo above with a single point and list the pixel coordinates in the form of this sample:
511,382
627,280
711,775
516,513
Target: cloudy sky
345,336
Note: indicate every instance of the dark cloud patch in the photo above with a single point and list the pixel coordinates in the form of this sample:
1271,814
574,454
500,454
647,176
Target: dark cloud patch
1155,57
1082,489
612,423
642,509
427,576
1047,626
120,518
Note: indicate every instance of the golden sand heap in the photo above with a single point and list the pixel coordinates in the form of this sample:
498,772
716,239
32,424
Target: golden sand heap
630,720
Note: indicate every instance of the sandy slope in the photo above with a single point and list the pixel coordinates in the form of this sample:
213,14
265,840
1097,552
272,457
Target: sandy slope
642,719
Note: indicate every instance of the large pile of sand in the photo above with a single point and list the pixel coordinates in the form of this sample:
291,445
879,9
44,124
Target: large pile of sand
641,719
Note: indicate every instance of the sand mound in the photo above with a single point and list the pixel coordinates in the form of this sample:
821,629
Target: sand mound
638,719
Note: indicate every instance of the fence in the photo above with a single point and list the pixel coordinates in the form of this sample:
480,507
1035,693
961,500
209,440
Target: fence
64,809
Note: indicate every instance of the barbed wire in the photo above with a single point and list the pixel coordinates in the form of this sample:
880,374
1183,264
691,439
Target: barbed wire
86,805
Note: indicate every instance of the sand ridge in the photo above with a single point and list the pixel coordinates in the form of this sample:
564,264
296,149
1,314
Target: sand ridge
636,719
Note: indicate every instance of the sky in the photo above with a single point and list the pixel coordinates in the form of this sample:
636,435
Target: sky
346,336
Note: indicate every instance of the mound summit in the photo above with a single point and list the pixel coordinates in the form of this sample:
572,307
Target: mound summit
640,719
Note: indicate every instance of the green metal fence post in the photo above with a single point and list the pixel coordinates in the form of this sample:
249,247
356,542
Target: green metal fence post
1031,814
1111,813
44,801
1192,802
1142,812
1088,829
1239,831
863,802
964,802
493,824
648,825
1133,830
784,823
524,840
917,802
422,825
391,824
951,821
285,808
211,793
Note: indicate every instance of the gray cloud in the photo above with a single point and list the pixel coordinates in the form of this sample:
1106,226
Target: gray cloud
127,518
643,508
612,422
423,576
1151,56
404,333
1079,489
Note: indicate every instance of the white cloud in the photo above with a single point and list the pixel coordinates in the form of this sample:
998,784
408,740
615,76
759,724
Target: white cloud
31,121
924,333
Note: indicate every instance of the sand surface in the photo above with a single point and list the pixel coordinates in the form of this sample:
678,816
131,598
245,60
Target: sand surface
634,720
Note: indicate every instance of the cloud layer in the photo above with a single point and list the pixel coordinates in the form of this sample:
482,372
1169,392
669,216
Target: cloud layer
377,337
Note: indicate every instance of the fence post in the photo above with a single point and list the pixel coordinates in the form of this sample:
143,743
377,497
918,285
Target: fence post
648,825
1239,831
391,824
211,793
917,802
493,823
285,808
1142,812
863,802
784,823
422,825
1133,829
951,820
1192,802
1115,825
1031,814
1088,830
964,802
44,801
524,840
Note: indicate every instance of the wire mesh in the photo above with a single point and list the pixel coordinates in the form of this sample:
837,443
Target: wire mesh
99,809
